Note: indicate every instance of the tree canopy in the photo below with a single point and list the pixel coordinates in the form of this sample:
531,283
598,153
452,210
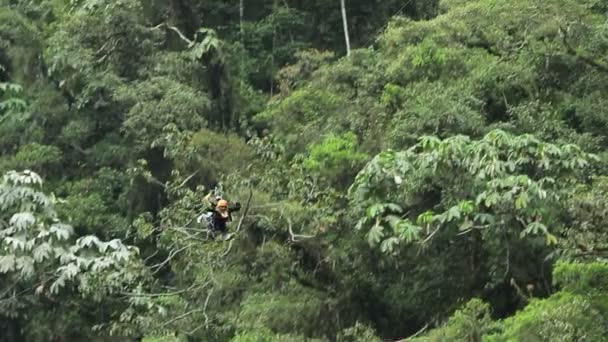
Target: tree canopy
446,180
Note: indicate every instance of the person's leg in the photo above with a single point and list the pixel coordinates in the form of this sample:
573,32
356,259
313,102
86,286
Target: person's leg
219,229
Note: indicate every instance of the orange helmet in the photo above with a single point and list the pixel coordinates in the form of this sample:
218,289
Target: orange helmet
222,203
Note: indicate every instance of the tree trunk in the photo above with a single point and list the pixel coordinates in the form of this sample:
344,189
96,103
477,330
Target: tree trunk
345,22
241,15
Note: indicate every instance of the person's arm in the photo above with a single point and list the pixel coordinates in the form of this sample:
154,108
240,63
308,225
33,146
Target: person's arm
209,202
235,207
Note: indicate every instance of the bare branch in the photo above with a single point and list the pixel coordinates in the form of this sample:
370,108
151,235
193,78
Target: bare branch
238,227
174,29
345,24
172,255
187,179
206,324
431,235
416,334
268,205
184,230
80,149
205,309
293,236
162,294
150,257
228,249
180,317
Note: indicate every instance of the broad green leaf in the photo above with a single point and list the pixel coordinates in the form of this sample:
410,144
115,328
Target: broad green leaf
7,263
410,232
534,228
484,218
375,210
88,241
425,218
393,207
393,220
62,231
42,252
491,199
521,201
551,239
22,221
453,213
26,265
466,207
375,234
389,244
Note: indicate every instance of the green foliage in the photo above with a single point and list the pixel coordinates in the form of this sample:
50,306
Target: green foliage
40,254
574,313
266,335
133,111
469,323
295,311
562,317
505,181
582,278
586,215
163,339
216,155
9,101
155,104
358,333
301,115
39,158
292,76
335,157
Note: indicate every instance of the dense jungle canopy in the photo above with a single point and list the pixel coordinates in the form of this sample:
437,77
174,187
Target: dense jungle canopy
443,177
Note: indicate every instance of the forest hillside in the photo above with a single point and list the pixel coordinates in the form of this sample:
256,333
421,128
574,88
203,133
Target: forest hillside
396,170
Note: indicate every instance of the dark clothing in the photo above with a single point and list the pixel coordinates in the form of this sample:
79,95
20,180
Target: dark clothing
218,223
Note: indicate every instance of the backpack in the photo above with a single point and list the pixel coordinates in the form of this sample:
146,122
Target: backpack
206,219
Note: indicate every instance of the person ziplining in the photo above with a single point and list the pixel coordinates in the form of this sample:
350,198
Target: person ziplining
218,213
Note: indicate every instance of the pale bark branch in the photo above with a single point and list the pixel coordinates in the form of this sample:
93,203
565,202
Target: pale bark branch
345,23
187,179
294,237
181,317
162,294
238,227
172,255
416,334
431,235
174,29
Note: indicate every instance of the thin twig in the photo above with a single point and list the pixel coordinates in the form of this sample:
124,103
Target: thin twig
238,227
508,256
416,334
187,179
275,204
180,34
295,236
173,28
162,294
150,257
431,236
228,249
205,309
180,317
172,255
